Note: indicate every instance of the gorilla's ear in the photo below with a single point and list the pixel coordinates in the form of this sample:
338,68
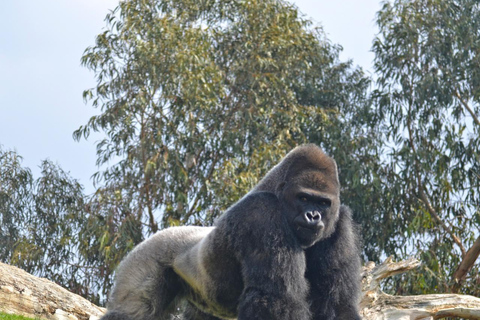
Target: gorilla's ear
280,187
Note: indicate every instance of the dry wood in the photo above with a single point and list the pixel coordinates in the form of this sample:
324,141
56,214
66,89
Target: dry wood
24,294
377,305
30,296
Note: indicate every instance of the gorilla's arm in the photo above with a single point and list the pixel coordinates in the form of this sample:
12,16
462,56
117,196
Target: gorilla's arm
272,261
333,270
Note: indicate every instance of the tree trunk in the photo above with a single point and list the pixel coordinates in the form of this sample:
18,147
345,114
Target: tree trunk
30,296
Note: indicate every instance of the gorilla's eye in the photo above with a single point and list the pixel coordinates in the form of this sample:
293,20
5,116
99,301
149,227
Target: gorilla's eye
303,198
324,202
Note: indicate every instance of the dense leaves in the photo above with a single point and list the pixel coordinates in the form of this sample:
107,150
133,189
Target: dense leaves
427,56
40,221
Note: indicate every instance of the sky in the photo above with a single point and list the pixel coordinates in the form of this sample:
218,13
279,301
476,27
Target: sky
42,80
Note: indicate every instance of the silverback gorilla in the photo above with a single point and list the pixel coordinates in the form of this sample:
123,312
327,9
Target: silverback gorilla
286,251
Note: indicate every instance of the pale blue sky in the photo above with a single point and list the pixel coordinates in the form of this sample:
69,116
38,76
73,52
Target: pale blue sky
41,80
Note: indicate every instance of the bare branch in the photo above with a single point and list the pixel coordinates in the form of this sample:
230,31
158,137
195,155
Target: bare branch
377,305
372,275
466,265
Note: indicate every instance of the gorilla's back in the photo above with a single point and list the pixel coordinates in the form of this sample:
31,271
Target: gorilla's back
153,256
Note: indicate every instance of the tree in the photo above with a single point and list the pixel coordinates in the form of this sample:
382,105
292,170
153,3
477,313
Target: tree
199,99
428,67
40,222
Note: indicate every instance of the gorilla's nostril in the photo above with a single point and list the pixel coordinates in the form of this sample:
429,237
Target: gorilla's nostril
314,216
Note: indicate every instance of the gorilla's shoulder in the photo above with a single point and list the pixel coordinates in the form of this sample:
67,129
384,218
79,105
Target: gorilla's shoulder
251,207
260,196
347,234
345,217
257,201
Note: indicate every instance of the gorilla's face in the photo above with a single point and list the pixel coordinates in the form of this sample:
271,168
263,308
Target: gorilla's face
312,206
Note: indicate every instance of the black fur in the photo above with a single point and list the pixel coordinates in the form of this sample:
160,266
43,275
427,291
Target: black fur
333,271
287,251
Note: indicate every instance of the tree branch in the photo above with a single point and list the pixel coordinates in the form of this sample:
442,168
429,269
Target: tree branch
466,265
377,305
372,275
423,195
433,214
466,106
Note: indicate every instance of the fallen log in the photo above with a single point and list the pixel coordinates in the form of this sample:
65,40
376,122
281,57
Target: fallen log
27,295
377,305
24,294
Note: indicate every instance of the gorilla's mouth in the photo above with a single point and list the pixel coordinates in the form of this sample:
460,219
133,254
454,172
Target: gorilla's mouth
314,231
307,230
307,236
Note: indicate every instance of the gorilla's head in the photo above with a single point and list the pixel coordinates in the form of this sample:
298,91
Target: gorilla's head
310,193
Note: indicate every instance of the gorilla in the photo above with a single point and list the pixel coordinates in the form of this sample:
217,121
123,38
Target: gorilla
288,250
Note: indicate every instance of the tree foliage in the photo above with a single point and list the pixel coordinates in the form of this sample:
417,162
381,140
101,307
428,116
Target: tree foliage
40,222
427,63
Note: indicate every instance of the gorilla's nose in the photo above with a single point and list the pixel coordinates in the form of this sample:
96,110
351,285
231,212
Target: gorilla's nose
313,219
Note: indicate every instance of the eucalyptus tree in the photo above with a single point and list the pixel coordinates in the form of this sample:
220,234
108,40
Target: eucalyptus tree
428,66
40,221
